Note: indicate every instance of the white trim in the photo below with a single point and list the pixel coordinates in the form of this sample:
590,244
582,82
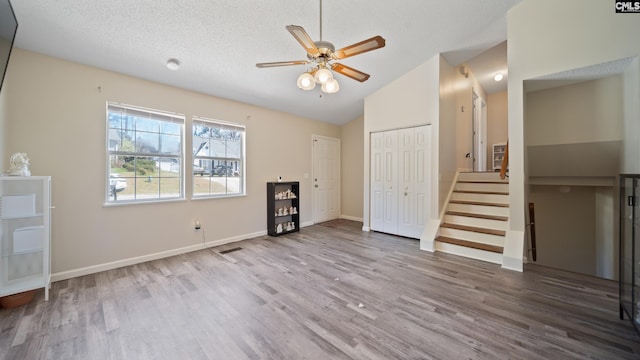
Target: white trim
366,228
451,188
305,224
514,264
144,258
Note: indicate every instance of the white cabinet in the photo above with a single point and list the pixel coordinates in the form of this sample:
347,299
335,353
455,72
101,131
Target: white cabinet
498,154
400,175
25,227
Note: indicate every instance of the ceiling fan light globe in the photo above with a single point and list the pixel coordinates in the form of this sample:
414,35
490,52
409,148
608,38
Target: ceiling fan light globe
323,75
331,86
306,81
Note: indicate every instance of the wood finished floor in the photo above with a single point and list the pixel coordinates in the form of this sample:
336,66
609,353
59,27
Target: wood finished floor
329,291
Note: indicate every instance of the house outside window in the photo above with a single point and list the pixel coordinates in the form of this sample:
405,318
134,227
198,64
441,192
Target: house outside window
218,158
145,155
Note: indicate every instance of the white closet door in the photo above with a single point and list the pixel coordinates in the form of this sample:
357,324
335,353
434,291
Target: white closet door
406,182
400,181
390,182
377,183
414,169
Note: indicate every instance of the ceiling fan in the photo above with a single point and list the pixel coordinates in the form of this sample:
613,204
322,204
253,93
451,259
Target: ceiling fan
323,56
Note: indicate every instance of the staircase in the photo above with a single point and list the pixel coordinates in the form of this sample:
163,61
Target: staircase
476,218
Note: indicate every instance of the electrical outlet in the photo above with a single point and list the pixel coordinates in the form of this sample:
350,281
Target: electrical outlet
197,225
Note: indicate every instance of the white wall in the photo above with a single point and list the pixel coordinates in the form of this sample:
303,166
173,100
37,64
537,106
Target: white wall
4,114
352,136
411,100
56,114
548,37
631,155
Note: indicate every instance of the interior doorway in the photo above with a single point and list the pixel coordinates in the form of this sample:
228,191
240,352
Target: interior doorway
479,133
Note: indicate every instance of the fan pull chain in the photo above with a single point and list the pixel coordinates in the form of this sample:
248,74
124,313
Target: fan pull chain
320,20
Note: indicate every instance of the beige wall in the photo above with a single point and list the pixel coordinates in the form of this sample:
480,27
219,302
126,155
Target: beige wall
57,116
450,90
565,219
465,86
497,122
538,34
352,134
585,112
588,111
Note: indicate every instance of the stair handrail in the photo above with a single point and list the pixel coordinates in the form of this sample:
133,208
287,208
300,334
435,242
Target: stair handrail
505,162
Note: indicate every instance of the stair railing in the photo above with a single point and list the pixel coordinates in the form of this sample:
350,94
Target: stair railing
505,162
532,230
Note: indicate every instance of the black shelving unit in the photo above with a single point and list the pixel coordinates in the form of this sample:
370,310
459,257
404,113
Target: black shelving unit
283,207
630,248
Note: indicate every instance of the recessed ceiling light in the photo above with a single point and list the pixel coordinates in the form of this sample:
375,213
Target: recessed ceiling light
498,77
173,64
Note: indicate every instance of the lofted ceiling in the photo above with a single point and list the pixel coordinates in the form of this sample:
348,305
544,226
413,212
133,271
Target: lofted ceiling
218,43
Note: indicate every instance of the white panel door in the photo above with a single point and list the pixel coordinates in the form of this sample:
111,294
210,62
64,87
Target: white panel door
377,183
390,180
406,182
414,169
326,179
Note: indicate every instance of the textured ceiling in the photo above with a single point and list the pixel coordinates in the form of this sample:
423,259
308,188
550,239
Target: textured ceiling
218,42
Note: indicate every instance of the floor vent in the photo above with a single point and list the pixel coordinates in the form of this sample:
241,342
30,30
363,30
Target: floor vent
230,250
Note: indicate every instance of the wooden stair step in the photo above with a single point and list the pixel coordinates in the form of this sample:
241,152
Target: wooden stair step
482,182
481,192
477,203
470,244
478,216
474,229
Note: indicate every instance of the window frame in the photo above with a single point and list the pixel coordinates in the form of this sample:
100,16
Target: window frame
168,156
242,179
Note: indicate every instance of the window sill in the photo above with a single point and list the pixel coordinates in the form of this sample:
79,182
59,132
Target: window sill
142,202
209,197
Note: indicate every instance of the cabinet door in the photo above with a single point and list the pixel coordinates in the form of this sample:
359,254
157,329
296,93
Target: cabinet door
24,231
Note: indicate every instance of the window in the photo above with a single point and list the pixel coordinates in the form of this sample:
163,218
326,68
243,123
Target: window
145,154
218,158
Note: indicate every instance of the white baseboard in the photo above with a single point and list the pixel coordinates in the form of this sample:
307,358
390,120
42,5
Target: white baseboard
352,218
64,275
512,264
305,224
366,228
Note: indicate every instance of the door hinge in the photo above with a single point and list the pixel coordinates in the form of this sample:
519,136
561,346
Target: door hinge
631,200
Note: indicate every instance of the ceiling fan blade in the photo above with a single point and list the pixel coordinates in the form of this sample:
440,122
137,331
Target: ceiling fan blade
304,39
350,72
282,63
375,42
